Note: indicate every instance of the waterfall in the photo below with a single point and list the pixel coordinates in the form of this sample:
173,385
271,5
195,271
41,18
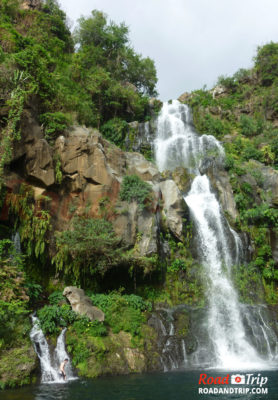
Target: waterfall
225,326
50,365
219,247
178,145
60,353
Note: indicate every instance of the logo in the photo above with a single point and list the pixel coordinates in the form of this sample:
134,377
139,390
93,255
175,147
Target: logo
238,379
244,384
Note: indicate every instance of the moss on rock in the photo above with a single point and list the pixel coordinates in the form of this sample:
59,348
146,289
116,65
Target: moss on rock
182,324
114,354
17,366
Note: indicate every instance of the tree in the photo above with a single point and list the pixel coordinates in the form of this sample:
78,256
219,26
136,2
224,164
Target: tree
266,63
109,45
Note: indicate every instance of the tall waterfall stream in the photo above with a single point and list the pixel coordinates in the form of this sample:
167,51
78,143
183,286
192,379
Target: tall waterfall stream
229,335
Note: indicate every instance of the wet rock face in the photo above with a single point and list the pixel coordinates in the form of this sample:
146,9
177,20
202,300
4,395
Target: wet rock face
140,137
176,338
174,207
221,183
82,304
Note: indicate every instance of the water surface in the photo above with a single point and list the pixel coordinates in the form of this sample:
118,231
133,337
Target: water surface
180,385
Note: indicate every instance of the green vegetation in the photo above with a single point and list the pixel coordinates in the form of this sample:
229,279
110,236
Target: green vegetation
134,189
53,317
90,247
115,130
266,63
248,281
20,88
54,124
31,220
14,300
123,312
177,265
15,347
92,77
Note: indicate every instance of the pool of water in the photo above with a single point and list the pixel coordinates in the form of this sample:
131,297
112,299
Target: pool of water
180,385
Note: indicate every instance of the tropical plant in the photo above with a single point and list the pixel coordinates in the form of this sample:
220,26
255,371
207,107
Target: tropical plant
134,189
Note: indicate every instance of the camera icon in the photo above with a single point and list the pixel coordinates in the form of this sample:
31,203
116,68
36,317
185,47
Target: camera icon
238,379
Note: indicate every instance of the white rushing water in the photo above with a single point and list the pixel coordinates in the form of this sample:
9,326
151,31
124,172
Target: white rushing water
219,247
177,144
50,365
225,326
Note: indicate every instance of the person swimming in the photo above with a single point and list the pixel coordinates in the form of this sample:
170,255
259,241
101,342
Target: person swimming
62,368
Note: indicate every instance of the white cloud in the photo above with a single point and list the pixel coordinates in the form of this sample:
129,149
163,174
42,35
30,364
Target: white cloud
191,41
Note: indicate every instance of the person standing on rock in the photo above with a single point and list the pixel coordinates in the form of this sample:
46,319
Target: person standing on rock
62,368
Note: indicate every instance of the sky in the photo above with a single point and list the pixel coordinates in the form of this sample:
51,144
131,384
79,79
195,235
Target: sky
192,42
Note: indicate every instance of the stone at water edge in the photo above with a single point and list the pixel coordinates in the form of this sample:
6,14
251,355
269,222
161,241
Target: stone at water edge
82,304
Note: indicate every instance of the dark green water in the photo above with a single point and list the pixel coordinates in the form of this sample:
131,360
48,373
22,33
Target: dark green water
181,385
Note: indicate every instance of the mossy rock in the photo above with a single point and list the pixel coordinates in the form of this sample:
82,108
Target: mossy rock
182,288
182,179
17,366
182,322
115,354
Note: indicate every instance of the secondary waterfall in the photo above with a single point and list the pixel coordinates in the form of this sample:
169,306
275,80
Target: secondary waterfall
227,344
50,364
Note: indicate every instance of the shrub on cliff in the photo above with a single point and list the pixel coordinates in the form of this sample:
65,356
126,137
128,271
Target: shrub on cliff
122,312
115,130
134,189
89,247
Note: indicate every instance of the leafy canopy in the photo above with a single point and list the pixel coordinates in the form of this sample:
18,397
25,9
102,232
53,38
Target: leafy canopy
108,45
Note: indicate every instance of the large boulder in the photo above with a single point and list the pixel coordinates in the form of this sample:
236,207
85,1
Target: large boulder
137,227
138,165
39,163
185,97
32,156
82,304
174,207
221,182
